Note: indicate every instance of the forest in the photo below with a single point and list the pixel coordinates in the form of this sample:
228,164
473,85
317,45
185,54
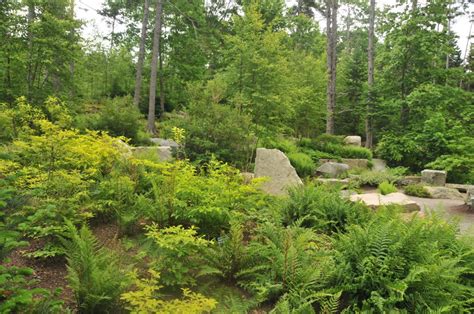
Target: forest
131,160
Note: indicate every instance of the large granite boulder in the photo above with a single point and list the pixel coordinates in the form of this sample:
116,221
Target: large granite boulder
379,164
164,153
470,198
164,142
332,169
442,192
376,200
274,165
433,177
354,140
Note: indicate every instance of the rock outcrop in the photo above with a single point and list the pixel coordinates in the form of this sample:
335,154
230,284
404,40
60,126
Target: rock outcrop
273,164
376,200
442,192
433,177
353,140
332,169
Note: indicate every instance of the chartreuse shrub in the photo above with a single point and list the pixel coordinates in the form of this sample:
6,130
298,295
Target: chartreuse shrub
146,298
386,188
185,195
415,266
179,253
94,273
321,209
52,175
416,190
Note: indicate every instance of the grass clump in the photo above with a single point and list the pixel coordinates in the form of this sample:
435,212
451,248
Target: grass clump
417,190
386,188
303,164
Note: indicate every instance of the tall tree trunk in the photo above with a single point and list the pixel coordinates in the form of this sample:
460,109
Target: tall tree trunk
141,54
30,19
331,25
154,65
370,81
72,65
162,81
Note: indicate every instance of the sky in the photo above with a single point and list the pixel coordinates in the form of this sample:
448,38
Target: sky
86,10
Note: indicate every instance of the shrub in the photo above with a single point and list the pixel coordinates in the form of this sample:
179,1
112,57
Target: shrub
285,145
386,188
146,298
417,190
334,146
321,209
121,118
303,164
374,178
93,272
180,251
286,265
392,265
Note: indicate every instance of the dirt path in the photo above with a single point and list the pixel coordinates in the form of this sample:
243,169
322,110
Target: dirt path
450,209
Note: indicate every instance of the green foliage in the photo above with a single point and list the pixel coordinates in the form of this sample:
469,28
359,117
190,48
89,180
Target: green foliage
286,265
390,264
93,272
146,298
334,146
321,209
374,178
9,240
386,188
120,117
303,164
17,295
417,190
179,253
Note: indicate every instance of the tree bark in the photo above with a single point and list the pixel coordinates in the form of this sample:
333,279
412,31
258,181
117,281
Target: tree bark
370,81
162,81
141,54
331,29
30,19
154,65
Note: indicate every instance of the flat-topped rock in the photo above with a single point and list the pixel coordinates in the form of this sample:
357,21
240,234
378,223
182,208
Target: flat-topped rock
442,192
460,187
273,164
351,162
408,180
333,181
376,200
164,142
332,169
353,140
164,153
433,177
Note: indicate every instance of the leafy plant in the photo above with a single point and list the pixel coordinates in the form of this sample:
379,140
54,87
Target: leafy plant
386,188
374,178
93,272
148,299
303,164
417,190
179,254
321,209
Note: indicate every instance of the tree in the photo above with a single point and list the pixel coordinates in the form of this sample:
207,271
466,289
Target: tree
370,81
154,67
331,30
141,54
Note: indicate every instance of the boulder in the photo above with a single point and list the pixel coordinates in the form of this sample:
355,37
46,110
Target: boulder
376,200
332,169
351,162
353,140
442,192
247,177
164,153
433,177
164,142
274,165
460,187
379,164
408,180
470,198
334,182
